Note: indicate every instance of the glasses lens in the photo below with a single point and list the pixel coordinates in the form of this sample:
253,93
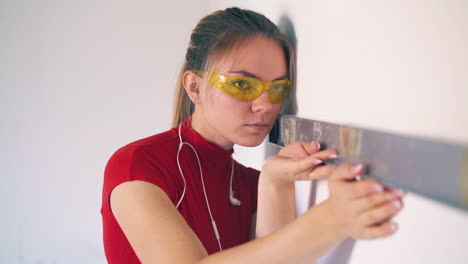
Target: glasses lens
248,89
278,91
243,88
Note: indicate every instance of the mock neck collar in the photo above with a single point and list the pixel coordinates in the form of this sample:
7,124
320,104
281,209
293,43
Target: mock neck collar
212,150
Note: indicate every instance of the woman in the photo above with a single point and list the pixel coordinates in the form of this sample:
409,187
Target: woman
179,197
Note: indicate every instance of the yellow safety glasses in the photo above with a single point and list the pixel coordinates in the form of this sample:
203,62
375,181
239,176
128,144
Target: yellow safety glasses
248,89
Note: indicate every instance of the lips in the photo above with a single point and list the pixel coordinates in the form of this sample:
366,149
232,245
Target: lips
259,126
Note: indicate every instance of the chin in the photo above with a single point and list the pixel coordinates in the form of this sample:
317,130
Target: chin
251,141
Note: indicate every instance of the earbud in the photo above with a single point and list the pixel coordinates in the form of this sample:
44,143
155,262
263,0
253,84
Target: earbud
234,201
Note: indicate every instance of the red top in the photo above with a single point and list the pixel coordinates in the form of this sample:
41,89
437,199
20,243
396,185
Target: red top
153,160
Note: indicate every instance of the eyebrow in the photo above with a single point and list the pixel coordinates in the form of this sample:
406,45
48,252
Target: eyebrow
248,74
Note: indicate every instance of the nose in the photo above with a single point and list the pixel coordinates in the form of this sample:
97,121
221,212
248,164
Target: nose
262,103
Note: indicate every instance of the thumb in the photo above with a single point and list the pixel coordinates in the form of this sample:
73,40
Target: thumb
347,171
310,147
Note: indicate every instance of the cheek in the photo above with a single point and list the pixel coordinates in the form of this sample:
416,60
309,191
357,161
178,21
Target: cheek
276,109
225,108
234,106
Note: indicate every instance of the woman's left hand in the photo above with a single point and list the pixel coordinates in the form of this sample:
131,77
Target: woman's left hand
309,160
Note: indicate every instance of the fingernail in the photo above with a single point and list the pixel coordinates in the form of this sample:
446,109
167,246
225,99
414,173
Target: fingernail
393,227
378,188
389,197
357,168
397,204
318,145
333,156
399,192
317,162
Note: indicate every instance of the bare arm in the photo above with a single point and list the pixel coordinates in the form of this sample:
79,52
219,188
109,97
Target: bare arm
302,241
276,196
159,234
275,207
156,230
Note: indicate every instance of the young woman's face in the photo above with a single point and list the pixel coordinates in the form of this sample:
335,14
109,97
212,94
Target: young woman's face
230,121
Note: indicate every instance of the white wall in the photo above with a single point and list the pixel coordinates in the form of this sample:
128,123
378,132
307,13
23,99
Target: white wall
398,66
78,79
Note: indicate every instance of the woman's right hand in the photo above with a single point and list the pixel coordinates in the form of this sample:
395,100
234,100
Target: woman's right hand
362,209
299,161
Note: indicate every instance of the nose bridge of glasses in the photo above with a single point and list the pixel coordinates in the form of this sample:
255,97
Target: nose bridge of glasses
265,85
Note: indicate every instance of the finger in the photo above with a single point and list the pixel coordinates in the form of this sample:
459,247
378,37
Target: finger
320,172
316,173
380,213
307,164
396,190
311,147
363,188
376,199
347,171
299,149
292,167
379,231
326,154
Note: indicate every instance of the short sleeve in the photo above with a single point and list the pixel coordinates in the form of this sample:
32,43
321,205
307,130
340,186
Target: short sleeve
146,167
136,164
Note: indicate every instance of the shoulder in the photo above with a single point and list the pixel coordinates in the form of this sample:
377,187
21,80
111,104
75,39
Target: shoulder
151,159
155,147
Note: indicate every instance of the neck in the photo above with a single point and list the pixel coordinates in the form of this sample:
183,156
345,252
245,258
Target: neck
209,133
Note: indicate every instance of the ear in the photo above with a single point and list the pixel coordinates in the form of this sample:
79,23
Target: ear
192,85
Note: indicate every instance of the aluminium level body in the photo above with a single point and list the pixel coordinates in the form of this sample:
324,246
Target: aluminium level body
435,169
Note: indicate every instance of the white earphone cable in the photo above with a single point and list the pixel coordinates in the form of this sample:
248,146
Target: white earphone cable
182,174
180,169
233,200
213,223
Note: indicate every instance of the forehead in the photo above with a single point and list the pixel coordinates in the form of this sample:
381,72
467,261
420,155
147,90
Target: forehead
260,56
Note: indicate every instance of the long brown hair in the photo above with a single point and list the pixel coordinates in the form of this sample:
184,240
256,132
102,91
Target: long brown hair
215,36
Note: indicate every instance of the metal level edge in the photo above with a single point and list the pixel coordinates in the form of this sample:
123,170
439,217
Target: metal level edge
432,168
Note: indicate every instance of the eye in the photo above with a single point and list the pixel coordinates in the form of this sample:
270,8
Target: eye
280,87
242,84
